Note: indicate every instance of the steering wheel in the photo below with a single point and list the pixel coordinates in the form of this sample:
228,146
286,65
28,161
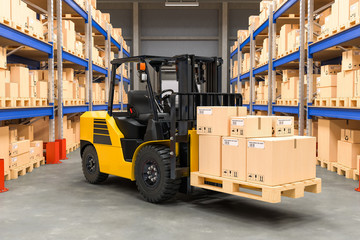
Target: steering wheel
164,100
166,96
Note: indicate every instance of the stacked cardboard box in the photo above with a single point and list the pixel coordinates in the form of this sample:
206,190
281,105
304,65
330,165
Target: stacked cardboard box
264,56
260,149
349,148
327,82
284,42
19,82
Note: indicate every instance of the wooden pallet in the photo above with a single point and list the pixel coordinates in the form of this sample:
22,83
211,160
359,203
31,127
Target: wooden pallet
39,102
261,102
27,168
353,22
271,194
337,102
7,102
324,164
5,21
287,102
69,51
356,175
73,102
7,176
72,148
342,170
22,102
98,102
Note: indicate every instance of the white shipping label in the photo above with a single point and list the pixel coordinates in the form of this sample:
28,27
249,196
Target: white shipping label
14,159
284,122
205,111
356,53
256,144
31,151
15,146
37,145
318,79
237,122
231,142
353,8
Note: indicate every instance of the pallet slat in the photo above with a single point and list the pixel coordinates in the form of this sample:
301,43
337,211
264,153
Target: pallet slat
271,194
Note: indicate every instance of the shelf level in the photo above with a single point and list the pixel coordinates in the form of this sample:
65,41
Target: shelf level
287,59
30,112
342,113
77,8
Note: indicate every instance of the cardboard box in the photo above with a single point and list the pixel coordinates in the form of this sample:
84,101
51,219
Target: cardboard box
42,89
215,120
210,155
330,70
19,147
20,75
287,74
3,59
354,11
327,81
38,148
233,158
282,126
20,160
5,10
13,136
352,136
276,161
4,147
347,154
11,90
26,131
351,60
326,92
251,126
2,83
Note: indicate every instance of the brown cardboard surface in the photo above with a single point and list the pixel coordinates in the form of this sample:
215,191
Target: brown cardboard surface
351,60
19,147
20,75
282,126
38,148
215,120
233,158
20,160
327,81
275,161
326,92
251,126
11,90
4,146
352,136
347,153
210,155
24,130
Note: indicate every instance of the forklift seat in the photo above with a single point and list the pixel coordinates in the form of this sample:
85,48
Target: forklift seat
139,106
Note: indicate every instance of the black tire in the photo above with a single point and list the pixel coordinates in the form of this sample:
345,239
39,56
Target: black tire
152,174
90,166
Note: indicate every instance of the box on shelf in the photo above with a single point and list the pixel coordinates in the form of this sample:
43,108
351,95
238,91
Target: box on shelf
327,81
350,60
276,161
287,74
20,76
208,119
349,135
41,89
4,147
19,147
251,126
11,90
3,60
347,153
26,131
210,155
17,12
233,158
282,126
345,84
326,92
330,70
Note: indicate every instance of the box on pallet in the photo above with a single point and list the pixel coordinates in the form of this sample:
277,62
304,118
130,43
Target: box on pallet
330,70
326,92
38,149
210,155
251,126
19,147
11,90
17,13
347,153
4,146
20,76
282,126
276,161
26,131
20,160
233,158
349,135
208,119
326,81
350,60
3,59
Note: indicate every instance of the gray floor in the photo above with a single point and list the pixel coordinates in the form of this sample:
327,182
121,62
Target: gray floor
55,202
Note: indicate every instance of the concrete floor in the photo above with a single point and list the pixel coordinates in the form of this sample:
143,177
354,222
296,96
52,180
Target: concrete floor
55,202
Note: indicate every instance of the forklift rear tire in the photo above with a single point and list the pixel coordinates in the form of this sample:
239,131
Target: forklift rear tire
152,174
90,166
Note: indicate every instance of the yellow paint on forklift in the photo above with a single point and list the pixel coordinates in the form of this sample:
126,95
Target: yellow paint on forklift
194,150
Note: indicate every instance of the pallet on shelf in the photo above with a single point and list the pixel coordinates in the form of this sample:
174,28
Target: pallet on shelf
342,170
287,102
73,102
340,28
323,163
5,21
39,102
338,102
271,194
261,102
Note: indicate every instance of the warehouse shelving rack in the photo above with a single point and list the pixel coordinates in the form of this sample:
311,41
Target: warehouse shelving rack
320,51
290,6
45,52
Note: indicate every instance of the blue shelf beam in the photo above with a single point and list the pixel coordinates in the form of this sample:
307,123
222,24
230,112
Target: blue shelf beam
75,59
233,80
77,8
100,69
244,76
287,59
286,109
261,28
75,109
17,113
99,28
342,113
337,39
22,38
285,7
261,69
115,43
101,107
260,107
126,53
233,53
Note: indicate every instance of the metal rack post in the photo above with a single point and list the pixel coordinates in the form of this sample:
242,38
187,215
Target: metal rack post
121,76
231,72
59,67
90,47
302,68
87,49
107,60
50,5
310,66
274,79
270,64
239,55
252,63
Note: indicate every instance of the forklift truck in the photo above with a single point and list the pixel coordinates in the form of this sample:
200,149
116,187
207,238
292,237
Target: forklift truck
154,142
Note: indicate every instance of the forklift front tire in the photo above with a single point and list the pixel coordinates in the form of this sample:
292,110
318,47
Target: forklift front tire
152,174
90,166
